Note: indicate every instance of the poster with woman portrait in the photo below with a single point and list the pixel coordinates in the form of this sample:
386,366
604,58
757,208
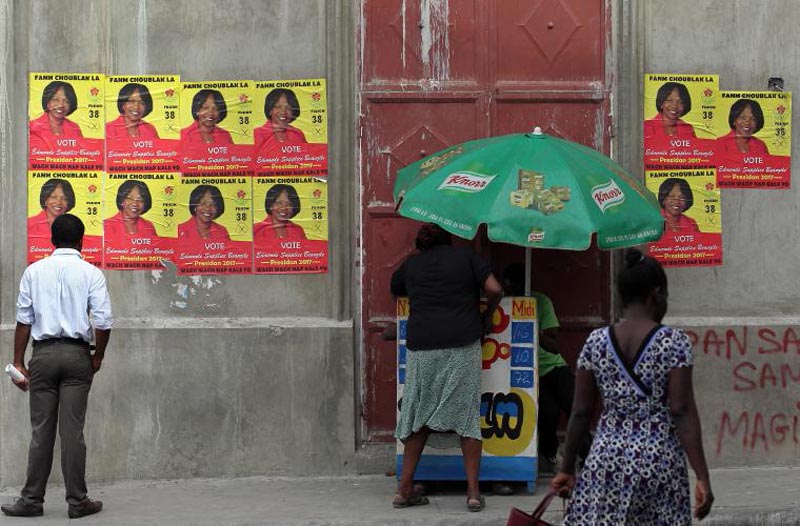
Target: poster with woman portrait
290,225
65,121
51,194
290,119
139,225
214,225
679,113
142,123
690,205
754,139
217,128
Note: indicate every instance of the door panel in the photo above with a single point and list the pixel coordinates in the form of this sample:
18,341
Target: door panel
435,73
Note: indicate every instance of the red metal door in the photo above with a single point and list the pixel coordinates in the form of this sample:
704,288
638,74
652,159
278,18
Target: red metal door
435,73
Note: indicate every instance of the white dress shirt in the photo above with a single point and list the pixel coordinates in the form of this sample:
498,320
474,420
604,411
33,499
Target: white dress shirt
59,294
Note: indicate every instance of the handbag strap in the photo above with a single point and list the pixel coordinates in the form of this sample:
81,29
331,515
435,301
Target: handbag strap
542,507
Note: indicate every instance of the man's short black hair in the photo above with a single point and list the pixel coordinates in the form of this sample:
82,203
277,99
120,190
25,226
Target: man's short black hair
66,231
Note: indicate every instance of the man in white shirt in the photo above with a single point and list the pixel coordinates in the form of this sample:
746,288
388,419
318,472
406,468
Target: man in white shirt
60,299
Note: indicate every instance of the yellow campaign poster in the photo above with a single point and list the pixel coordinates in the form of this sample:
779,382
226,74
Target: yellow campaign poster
214,225
142,123
290,225
217,127
139,225
754,139
291,127
51,194
679,116
65,129
690,205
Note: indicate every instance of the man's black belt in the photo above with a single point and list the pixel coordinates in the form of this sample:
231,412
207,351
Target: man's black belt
51,341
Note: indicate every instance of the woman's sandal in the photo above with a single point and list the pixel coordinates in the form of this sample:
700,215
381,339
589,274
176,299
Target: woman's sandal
476,504
414,500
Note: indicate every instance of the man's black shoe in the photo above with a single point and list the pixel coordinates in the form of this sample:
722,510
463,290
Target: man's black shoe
22,509
87,507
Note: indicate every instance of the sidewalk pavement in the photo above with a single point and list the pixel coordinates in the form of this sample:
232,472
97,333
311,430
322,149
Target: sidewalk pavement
746,496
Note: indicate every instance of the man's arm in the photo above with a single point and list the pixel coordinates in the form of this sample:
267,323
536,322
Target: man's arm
102,320
101,337
22,334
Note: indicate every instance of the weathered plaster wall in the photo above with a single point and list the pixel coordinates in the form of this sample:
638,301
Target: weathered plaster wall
744,315
204,376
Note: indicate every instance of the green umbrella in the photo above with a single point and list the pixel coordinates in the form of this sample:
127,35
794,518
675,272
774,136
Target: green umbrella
532,190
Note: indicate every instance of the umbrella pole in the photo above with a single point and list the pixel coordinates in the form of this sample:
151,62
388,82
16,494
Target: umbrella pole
528,258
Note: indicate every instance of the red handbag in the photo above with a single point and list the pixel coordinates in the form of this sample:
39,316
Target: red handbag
517,517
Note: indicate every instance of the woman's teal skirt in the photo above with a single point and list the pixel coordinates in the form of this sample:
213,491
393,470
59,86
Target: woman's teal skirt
442,392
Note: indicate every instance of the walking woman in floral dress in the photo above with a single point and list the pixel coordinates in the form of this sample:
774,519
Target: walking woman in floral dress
636,471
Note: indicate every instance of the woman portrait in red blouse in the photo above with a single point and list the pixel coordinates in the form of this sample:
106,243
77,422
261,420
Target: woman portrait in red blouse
745,119
134,104
133,201
281,204
205,204
672,102
281,108
58,102
56,198
208,110
675,197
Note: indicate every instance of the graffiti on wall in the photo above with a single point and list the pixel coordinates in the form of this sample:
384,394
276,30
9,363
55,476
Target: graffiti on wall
757,373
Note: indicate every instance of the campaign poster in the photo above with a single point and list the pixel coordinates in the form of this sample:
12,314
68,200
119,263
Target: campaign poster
690,205
290,120
65,128
509,400
142,123
217,128
679,117
754,139
51,194
139,226
290,225
214,216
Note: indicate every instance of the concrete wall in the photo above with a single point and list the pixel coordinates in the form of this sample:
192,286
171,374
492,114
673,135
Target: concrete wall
204,376
744,315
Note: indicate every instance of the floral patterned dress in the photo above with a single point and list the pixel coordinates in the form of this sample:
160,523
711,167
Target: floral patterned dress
636,472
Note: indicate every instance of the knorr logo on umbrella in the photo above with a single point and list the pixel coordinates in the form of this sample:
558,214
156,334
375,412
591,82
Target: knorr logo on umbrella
469,182
607,195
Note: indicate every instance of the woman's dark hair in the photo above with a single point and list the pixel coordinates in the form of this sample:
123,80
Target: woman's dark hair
66,230
69,92
275,191
200,191
683,93
274,96
667,186
50,186
219,101
431,235
739,106
126,92
126,187
641,275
